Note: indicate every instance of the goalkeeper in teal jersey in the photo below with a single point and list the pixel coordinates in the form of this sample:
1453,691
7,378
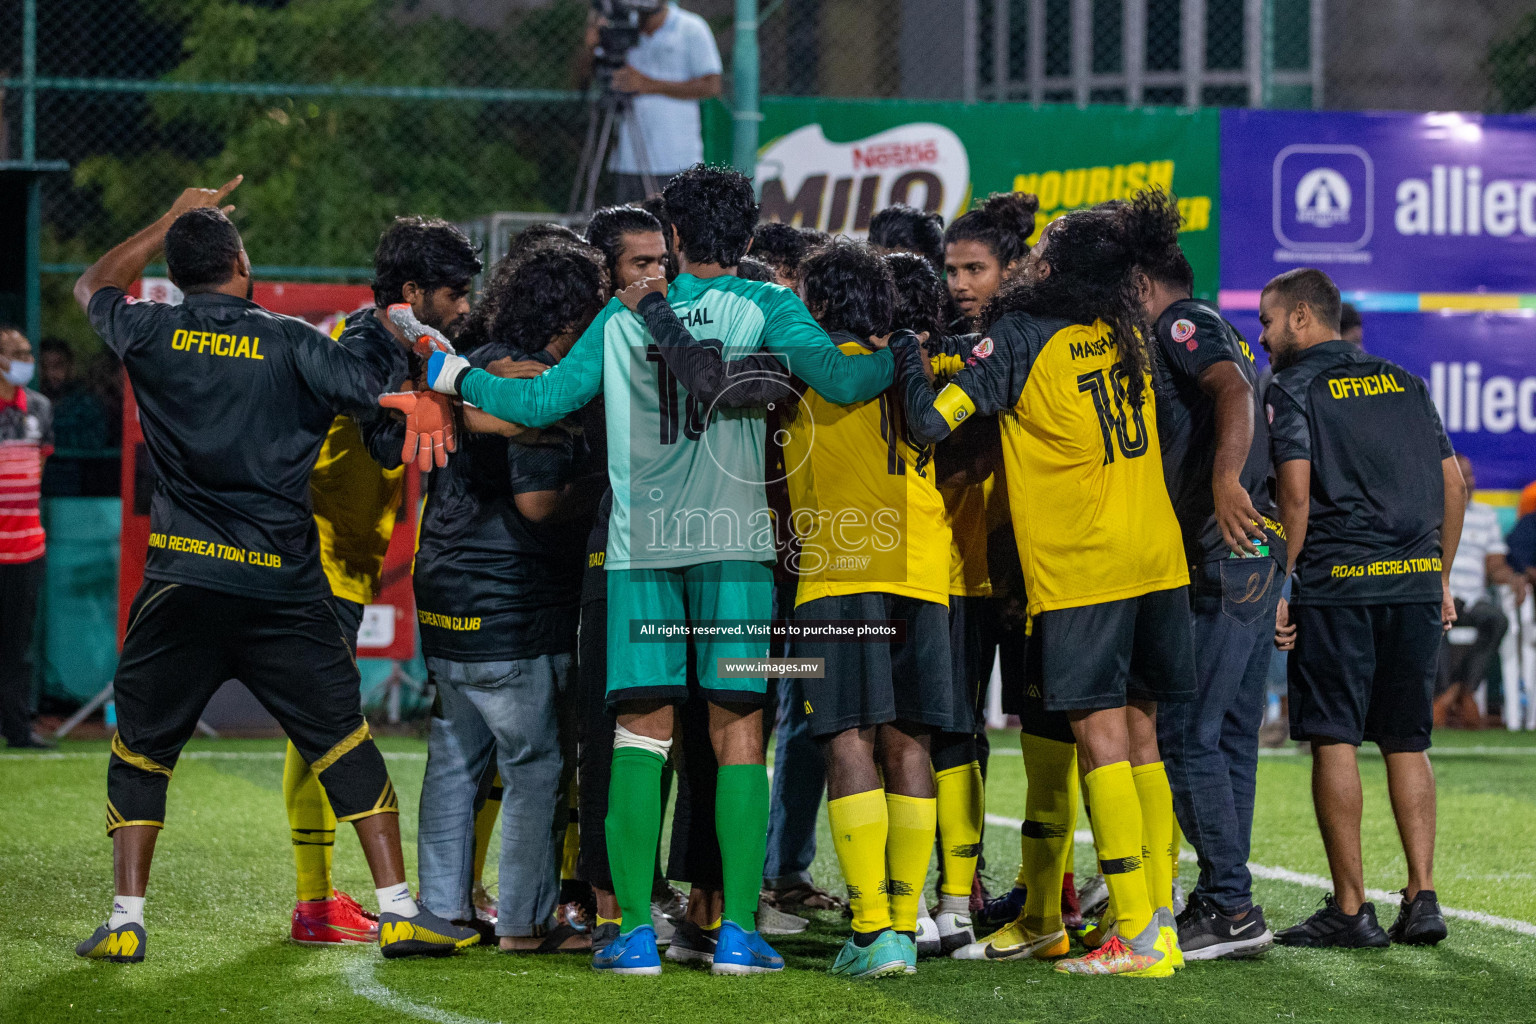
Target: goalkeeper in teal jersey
691,539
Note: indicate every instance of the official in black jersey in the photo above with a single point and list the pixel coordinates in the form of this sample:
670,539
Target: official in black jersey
498,585
235,403
1215,440
1372,502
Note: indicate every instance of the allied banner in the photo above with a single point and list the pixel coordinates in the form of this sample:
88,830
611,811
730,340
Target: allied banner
1427,222
833,164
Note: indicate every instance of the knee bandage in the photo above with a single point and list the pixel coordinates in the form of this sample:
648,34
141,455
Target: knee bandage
622,738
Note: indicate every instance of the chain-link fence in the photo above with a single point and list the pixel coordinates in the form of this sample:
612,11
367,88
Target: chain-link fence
342,113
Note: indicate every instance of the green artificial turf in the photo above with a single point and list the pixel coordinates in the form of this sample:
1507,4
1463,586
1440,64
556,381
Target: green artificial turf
218,907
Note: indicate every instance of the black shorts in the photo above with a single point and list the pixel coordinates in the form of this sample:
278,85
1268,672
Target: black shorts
1101,656
349,616
183,643
1365,672
874,683
973,636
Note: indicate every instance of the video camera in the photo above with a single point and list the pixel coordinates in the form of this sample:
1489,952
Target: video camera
618,34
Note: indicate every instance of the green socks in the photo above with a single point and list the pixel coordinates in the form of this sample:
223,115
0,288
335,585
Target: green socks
634,828
741,822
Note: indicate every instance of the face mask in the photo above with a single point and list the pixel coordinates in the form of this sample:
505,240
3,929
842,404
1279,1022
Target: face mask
20,374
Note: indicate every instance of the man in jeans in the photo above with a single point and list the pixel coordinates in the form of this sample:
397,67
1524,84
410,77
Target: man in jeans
1215,444
498,587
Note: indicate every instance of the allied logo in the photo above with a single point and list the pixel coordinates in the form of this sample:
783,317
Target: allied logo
983,348
1322,200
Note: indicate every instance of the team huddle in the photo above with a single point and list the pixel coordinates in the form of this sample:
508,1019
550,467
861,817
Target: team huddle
1000,442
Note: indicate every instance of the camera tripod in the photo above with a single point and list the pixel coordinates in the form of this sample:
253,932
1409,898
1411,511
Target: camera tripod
607,109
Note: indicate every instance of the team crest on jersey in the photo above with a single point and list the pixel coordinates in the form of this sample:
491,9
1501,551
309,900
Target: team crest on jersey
983,348
1184,333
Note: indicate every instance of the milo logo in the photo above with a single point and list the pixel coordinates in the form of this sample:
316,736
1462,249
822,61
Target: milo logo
837,187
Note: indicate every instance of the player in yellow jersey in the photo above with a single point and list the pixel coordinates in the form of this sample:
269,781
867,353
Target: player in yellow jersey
355,488
1065,361
874,553
963,472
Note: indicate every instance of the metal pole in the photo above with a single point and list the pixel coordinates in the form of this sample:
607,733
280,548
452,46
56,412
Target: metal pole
970,51
33,260
746,117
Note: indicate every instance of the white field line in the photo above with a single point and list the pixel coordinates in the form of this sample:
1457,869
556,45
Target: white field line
360,978
1314,882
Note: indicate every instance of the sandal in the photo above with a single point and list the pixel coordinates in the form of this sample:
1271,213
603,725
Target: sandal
555,941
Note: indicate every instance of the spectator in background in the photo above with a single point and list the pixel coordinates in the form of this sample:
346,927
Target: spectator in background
87,420
55,368
1351,328
26,441
1480,561
673,66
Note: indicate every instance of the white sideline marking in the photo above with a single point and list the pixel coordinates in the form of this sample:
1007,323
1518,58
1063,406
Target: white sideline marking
1314,882
361,980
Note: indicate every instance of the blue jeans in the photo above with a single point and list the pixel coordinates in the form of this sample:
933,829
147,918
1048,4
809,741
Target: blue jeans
1210,745
799,779
522,714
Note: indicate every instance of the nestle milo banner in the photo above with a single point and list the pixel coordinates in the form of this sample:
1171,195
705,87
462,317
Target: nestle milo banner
833,164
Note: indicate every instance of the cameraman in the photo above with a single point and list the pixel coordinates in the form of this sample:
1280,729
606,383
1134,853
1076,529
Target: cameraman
673,66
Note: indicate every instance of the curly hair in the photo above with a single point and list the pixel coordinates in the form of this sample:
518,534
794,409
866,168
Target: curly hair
714,210
1094,257
429,251
1003,223
920,295
750,269
608,226
1156,237
781,246
848,287
903,228
536,296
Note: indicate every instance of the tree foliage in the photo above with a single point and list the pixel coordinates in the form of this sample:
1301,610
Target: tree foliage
1512,68
324,174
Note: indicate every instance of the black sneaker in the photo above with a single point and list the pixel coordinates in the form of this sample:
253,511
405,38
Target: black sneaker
1332,927
692,944
1205,933
1419,921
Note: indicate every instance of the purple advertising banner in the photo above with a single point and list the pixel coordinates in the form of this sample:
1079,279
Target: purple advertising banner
1397,203
1427,222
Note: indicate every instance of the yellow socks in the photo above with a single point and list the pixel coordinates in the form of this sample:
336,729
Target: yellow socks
1157,831
909,847
485,824
1050,813
860,827
312,826
961,805
1117,840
